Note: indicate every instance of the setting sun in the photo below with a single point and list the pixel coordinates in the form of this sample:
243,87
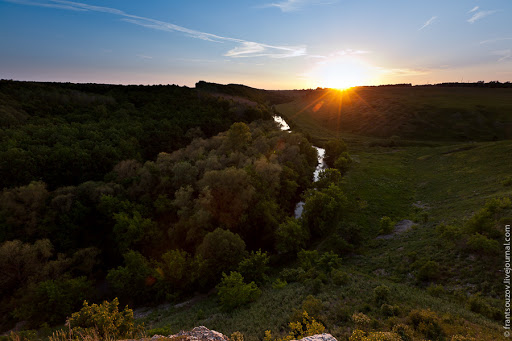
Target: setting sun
342,73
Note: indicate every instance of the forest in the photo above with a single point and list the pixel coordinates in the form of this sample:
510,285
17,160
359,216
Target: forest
91,210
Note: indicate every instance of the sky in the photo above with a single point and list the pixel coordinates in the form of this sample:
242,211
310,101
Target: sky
269,44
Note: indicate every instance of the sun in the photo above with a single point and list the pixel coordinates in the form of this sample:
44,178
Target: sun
342,73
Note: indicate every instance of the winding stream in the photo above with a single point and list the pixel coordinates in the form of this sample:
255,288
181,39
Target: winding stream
321,163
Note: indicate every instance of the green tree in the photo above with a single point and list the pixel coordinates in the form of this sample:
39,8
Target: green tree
291,236
333,149
233,292
222,250
134,281
254,268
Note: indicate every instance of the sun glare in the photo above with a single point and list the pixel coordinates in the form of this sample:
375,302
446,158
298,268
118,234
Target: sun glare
342,73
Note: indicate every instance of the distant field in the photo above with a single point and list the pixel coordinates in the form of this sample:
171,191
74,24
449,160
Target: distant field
421,113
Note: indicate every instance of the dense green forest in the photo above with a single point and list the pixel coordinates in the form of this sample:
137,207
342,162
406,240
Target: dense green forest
66,134
152,222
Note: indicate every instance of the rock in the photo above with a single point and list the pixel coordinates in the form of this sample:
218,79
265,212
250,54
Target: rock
204,334
320,337
200,334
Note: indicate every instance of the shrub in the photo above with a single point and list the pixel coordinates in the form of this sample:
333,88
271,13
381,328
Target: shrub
482,245
404,331
507,182
435,290
339,277
328,261
292,274
448,232
427,323
237,336
361,321
485,219
291,236
478,304
255,267
343,163
233,292
106,320
359,335
386,225
381,294
429,271
389,310
279,284
333,149
53,301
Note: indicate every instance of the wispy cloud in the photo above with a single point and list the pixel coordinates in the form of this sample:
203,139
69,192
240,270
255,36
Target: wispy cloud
244,48
404,71
479,15
428,22
143,56
473,9
494,40
295,5
503,54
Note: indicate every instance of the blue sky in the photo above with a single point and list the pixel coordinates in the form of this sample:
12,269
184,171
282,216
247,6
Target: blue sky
272,44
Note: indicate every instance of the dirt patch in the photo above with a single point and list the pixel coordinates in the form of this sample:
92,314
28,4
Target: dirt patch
400,227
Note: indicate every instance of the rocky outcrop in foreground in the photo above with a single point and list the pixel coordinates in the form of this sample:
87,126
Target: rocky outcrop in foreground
204,334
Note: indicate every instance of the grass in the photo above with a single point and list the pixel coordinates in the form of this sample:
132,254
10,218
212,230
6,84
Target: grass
420,113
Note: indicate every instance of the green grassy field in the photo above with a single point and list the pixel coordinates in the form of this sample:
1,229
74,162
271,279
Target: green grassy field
425,113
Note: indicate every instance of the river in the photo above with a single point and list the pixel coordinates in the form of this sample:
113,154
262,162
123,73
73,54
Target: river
320,166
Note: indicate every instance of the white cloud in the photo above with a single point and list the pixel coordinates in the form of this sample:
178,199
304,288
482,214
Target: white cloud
143,56
244,49
474,9
295,5
428,22
252,49
503,54
479,15
494,40
404,71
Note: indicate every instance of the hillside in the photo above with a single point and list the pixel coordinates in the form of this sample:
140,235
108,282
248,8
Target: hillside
433,113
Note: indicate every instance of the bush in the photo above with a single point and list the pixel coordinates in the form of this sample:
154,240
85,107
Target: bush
53,301
386,225
233,292
106,320
404,331
435,290
343,163
477,304
359,335
361,321
381,294
429,271
389,310
255,267
333,149
339,277
292,274
279,284
291,236
427,323
448,232
482,245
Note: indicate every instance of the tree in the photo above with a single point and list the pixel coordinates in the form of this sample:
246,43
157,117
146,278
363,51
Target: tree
223,250
233,292
333,149
133,281
239,136
231,193
291,236
323,209
255,267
